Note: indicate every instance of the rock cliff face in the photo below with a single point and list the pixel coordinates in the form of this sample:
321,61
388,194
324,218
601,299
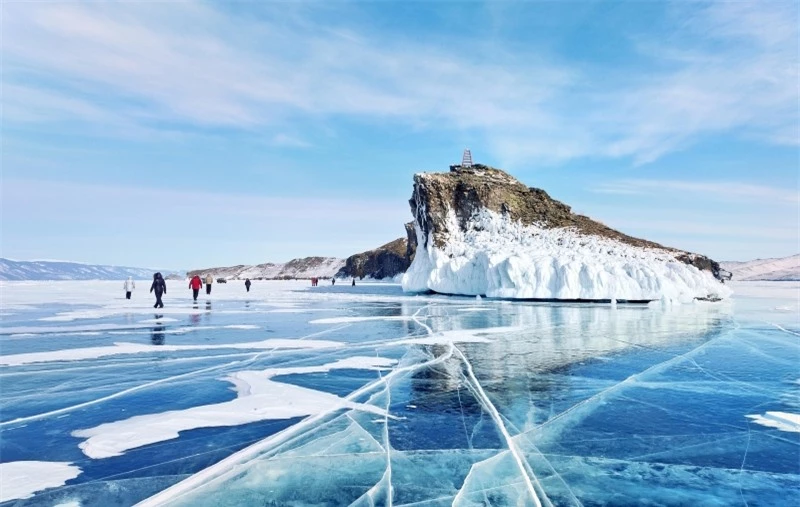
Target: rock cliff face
480,231
386,261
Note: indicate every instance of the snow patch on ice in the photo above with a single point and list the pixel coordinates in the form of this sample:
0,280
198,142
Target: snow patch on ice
21,479
347,320
783,421
84,329
110,311
136,348
258,399
356,363
457,336
502,258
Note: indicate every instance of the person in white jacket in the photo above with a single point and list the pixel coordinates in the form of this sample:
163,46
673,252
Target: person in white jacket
129,286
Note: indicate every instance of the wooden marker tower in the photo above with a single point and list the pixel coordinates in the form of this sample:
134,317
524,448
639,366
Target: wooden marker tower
466,160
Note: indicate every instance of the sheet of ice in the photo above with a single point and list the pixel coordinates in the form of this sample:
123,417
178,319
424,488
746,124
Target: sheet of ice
781,420
603,404
141,348
258,399
498,257
21,479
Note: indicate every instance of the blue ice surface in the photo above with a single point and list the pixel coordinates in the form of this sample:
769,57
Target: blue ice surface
577,404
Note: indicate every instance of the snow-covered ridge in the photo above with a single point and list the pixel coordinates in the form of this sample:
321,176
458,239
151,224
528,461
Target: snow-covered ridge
62,270
499,257
782,269
307,267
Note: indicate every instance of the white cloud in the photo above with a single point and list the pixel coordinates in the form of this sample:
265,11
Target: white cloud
729,66
726,190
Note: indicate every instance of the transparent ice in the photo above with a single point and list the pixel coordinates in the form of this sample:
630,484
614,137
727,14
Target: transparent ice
364,396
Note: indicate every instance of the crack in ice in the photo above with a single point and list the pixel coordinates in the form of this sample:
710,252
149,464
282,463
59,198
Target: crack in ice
487,403
220,470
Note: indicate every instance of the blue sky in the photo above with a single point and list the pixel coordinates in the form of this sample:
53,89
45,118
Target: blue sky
181,135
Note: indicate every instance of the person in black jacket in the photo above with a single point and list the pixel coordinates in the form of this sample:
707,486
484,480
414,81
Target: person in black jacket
247,285
160,287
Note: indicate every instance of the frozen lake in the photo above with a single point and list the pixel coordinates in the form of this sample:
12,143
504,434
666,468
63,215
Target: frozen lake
293,395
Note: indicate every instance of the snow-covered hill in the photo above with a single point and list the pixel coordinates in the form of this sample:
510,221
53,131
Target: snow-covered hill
783,269
306,267
59,270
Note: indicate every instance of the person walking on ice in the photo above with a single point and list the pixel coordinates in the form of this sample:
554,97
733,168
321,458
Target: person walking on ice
195,284
209,281
159,287
247,284
129,286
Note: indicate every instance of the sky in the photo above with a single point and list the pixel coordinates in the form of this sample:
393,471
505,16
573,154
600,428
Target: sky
195,134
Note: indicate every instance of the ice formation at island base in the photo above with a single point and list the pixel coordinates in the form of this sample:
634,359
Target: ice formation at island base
502,258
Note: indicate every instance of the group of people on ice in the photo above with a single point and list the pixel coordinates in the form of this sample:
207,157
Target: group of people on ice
315,282
159,286
196,284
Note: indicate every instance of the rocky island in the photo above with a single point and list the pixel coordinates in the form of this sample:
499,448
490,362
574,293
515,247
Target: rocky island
482,232
384,262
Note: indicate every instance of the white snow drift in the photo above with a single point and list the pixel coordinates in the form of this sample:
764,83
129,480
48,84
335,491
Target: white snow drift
499,257
783,421
259,398
21,479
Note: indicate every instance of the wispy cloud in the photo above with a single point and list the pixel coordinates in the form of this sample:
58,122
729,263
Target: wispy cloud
182,63
709,189
730,67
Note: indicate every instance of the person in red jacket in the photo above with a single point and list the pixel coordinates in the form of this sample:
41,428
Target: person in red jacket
195,285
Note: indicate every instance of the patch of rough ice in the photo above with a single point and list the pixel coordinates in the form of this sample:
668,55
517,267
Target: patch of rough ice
783,421
241,326
258,399
21,479
137,348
